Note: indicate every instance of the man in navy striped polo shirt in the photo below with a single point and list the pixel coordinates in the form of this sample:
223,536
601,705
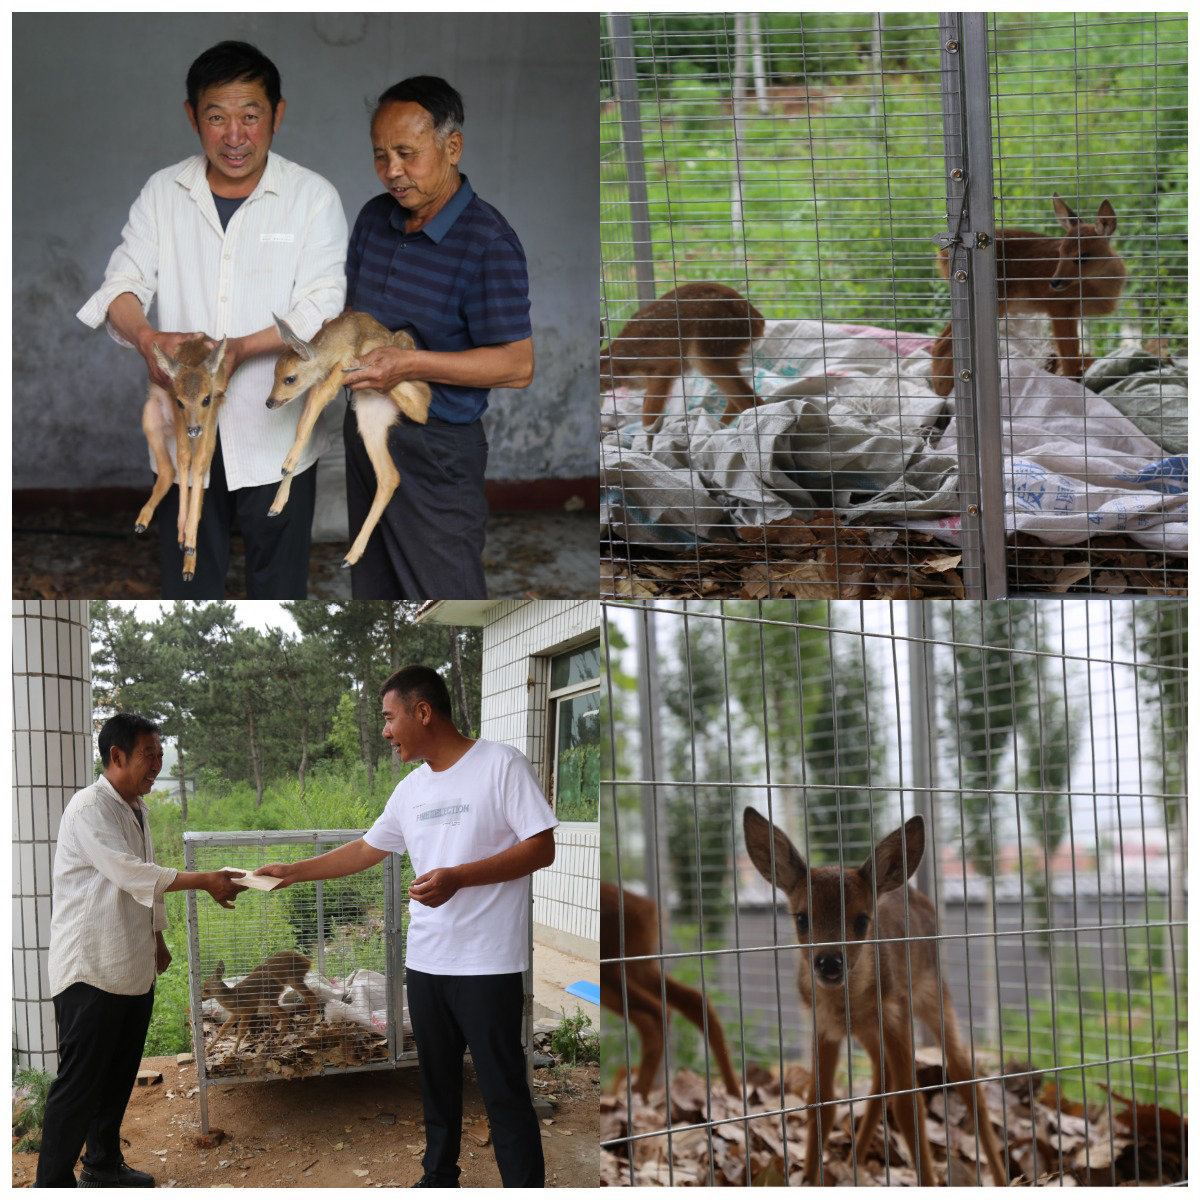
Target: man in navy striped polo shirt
430,257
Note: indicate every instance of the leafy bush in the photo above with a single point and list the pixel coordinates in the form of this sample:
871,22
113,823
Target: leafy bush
29,1108
573,1040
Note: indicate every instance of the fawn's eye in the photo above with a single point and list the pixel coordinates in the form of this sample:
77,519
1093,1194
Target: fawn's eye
206,401
178,401
802,923
289,380
861,922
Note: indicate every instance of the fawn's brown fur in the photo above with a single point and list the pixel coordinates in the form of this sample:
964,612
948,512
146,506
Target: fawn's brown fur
259,992
1063,278
198,382
704,325
873,989
318,367
644,983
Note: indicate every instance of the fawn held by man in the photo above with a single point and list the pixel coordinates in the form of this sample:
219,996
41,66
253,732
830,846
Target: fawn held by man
1063,278
318,367
645,984
259,992
198,382
874,978
704,325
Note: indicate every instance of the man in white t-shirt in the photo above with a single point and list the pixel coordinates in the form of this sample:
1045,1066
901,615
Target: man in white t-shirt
475,825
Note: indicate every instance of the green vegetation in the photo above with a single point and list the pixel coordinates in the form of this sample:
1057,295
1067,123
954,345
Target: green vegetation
573,1041
842,178
29,1108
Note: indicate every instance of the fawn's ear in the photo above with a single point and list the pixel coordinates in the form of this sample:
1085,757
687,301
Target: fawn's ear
169,366
1066,218
761,835
1106,222
218,970
212,364
896,857
298,344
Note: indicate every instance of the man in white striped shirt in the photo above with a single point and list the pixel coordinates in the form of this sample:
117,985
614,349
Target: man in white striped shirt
106,947
223,241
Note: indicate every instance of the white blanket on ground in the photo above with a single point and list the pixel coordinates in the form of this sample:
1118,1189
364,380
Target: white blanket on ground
849,422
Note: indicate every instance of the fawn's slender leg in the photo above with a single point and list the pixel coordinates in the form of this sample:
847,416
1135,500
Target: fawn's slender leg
958,1071
645,1014
412,399
731,383
156,437
375,414
941,371
1067,346
820,1089
869,1121
183,467
908,1107
200,464
658,388
319,396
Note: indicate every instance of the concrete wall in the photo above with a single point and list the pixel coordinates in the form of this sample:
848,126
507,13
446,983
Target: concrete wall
518,638
98,106
52,759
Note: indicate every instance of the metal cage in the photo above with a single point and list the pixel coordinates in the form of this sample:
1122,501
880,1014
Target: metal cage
815,163
1043,744
351,931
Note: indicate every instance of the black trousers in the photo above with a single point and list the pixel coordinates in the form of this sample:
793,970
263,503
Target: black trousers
483,1012
101,1037
277,548
428,544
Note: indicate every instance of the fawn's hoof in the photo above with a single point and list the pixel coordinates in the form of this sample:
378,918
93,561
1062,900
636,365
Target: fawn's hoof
139,529
346,563
188,576
274,512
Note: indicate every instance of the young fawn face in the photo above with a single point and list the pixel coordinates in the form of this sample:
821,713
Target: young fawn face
1087,263
296,369
821,898
197,379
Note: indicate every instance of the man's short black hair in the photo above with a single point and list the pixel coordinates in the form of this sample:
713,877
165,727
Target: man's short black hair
233,62
434,95
123,731
419,683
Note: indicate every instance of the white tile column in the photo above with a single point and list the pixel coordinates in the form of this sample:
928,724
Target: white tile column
52,759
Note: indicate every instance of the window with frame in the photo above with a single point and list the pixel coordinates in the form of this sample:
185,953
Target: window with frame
574,703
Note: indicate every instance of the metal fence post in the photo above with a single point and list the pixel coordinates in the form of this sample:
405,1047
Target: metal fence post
971,242
624,74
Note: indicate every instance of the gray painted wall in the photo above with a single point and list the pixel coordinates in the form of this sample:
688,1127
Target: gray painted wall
98,106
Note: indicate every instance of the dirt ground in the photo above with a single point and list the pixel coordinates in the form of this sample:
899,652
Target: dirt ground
361,1130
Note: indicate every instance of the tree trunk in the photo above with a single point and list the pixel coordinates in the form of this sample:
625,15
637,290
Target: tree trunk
256,761
303,754
460,684
183,795
364,735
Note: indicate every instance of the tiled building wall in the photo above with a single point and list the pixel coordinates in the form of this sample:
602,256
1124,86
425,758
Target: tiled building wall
52,759
518,640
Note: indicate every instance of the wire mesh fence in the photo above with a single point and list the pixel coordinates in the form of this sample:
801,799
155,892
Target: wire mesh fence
898,423
307,981
978,882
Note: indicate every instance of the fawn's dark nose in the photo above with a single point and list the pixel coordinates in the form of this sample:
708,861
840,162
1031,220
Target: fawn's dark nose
194,431
1057,285
829,966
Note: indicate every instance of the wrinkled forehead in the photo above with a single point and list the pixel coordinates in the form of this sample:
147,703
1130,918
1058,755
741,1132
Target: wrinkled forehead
240,96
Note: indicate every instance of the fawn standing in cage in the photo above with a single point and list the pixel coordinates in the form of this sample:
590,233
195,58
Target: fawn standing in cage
198,381
258,995
704,325
873,988
629,929
319,367
1063,278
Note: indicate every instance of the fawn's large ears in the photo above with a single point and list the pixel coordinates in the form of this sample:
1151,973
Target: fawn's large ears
1066,218
761,835
1106,222
896,856
298,344
212,364
169,366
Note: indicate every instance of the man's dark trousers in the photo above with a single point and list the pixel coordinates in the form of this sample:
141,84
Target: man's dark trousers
277,548
483,1012
101,1037
428,544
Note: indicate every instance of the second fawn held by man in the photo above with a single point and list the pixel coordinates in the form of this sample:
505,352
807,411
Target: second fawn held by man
873,978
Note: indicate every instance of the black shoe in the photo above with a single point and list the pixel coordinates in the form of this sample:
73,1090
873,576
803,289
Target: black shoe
429,1181
123,1176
